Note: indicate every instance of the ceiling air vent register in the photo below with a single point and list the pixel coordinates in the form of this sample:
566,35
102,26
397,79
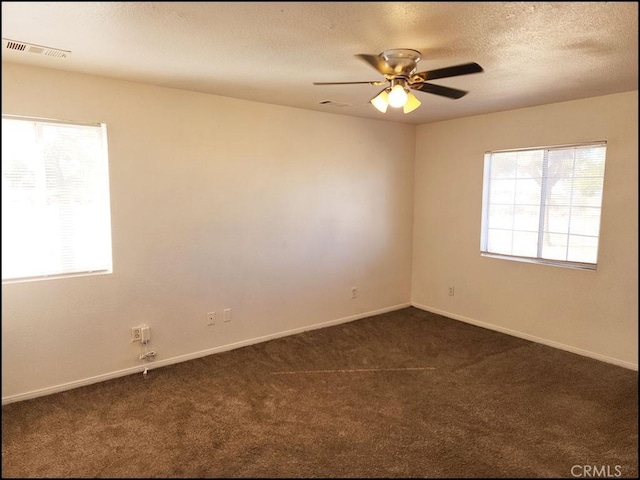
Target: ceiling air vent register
14,45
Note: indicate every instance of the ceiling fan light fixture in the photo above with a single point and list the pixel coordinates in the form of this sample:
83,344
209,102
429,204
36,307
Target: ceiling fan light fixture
381,101
399,68
411,104
398,96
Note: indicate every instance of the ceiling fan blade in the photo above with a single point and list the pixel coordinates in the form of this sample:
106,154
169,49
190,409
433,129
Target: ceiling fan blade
374,82
439,90
376,62
464,69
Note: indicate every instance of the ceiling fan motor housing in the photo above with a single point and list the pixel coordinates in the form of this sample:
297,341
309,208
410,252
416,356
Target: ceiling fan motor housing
403,61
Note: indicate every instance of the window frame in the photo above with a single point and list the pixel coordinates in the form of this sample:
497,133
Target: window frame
486,191
107,266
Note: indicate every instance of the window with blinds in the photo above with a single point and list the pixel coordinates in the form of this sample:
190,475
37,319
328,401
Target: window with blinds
544,204
55,199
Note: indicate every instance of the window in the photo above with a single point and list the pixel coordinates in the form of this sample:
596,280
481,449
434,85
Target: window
55,199
543,204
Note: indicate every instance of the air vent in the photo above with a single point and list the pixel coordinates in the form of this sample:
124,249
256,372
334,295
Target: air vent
333,104
31,48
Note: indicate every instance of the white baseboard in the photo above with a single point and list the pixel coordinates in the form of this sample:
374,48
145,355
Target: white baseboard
533,338
191,356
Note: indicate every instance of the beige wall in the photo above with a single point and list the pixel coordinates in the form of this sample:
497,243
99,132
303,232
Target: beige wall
277,213
587,312
216,203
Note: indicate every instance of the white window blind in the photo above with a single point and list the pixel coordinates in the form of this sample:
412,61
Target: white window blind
55,199
544,204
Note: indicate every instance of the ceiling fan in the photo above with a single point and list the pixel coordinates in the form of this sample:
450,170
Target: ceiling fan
399,66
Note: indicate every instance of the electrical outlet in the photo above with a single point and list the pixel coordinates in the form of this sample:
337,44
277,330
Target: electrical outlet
141,333
354,292
136,334
211,318
452,290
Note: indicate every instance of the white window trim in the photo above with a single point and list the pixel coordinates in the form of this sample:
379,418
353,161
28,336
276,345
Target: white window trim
108,269
536,260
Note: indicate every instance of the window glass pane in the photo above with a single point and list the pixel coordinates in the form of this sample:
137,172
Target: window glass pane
501,216
500,241
587,191
503,165
503,191
530,163
554,246
590,161
527,218
560,164
583,249
559,191
585,221
525,244
557,219
528,191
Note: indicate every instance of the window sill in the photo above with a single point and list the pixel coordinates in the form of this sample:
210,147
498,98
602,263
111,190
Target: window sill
542,261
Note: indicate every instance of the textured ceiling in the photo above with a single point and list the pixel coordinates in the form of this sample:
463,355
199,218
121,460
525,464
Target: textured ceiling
533,53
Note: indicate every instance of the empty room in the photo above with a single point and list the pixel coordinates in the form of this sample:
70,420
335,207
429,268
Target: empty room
319,239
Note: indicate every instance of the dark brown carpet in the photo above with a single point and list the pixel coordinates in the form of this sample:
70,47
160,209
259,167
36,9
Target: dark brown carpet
403,394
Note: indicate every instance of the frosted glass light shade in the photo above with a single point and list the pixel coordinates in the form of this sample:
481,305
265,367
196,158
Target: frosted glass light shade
397,96
412,103
381,101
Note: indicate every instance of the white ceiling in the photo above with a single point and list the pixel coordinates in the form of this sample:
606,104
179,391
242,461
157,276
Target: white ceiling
533,53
